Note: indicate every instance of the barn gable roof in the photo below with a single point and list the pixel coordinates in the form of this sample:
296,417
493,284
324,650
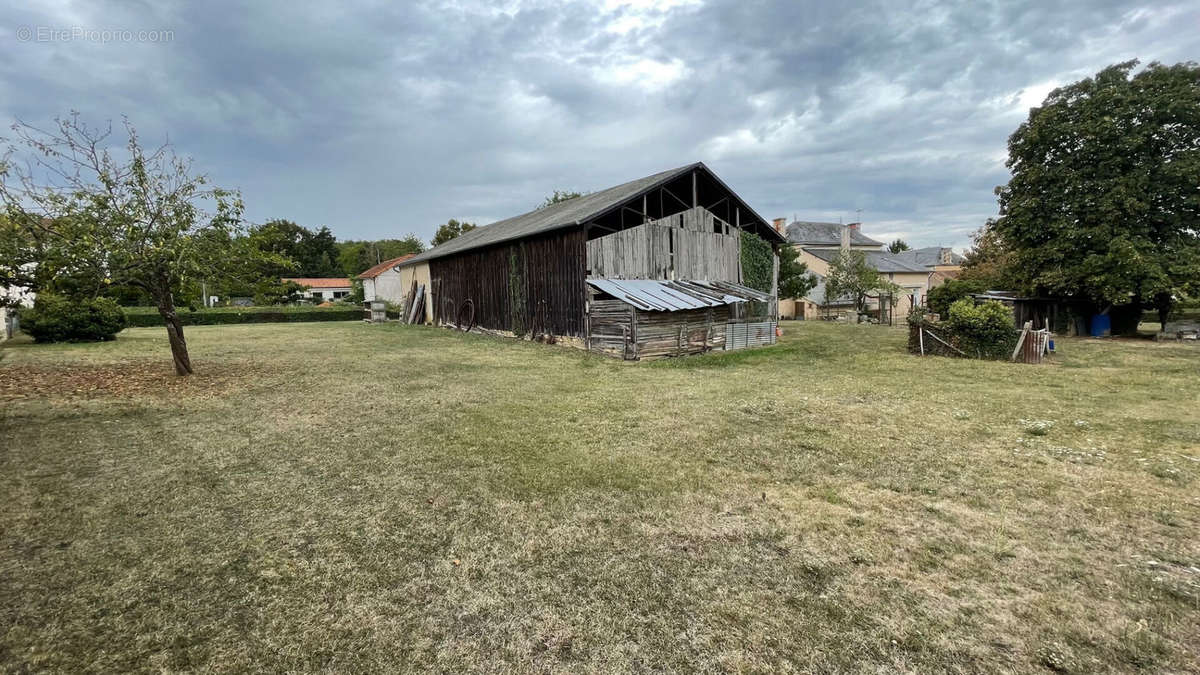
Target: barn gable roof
575,212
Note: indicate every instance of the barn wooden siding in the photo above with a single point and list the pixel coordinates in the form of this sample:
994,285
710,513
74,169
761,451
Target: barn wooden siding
693,244
542,278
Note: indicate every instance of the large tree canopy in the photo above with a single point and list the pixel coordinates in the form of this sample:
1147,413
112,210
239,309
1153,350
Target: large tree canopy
1104,201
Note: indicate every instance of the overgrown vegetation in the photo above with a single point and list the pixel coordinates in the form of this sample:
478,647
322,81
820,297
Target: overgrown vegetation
940,297
757,262
54,318
828,504
980,331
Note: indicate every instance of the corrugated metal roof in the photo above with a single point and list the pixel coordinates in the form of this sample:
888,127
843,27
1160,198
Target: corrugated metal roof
660,295
564,214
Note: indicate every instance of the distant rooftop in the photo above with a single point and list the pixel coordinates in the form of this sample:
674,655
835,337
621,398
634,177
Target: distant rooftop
825,234
881,261
929,256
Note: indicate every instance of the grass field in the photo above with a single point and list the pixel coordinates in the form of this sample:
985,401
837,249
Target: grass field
353,497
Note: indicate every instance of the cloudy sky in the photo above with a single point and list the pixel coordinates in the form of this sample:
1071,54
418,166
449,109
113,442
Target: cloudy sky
383,119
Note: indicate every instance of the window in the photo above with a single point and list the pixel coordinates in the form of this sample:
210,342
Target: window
340,294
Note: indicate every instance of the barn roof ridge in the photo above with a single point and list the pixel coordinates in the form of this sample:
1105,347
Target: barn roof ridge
569,213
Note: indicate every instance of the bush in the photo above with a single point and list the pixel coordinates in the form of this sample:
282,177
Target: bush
55,318
983,331
149,317
941,297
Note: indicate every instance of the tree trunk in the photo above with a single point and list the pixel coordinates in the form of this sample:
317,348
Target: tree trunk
179,351
1163,302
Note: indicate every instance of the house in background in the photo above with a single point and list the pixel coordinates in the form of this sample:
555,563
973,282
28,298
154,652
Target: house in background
384,281
819,245
319,290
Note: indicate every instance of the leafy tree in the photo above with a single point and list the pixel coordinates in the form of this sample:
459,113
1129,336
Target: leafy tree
451,229
794,278
1103,202
134,217
898,246
990,262
851,276
315,252
560,196
355,257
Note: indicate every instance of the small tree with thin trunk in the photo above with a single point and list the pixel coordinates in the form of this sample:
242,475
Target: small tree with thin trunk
851,276
125,216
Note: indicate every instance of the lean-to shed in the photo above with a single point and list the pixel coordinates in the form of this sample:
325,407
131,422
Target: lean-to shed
548,274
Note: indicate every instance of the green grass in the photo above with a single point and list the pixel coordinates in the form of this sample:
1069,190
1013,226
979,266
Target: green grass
356,497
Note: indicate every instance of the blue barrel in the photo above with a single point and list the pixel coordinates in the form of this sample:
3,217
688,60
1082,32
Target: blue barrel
1101,325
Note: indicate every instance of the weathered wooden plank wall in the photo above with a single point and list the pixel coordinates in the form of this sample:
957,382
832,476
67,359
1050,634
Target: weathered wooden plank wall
682,246
542,278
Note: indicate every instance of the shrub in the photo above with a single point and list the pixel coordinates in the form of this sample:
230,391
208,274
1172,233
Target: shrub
983,331
941,297
55,318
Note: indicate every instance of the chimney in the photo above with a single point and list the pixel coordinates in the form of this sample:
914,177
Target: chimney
846,237
855,226
779,223
945,256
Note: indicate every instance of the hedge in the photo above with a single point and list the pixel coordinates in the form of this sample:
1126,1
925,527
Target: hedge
149,317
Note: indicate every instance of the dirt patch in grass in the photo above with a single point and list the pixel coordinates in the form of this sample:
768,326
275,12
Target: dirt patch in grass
124,380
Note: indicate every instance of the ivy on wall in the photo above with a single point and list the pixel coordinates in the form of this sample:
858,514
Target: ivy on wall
757,262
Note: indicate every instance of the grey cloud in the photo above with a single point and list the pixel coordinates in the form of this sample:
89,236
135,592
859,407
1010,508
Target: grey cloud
381,119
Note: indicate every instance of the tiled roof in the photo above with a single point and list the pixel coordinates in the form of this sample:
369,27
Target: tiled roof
879,260
825,234
928,256
384,266
341,282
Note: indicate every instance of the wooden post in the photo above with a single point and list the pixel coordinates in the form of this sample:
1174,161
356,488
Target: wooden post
695,191
1021,340
774,283
921,338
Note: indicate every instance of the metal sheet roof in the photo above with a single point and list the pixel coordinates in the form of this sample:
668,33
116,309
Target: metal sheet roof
660,295
569,213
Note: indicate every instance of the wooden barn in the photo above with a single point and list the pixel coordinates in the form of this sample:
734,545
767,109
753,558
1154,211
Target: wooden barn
645,269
